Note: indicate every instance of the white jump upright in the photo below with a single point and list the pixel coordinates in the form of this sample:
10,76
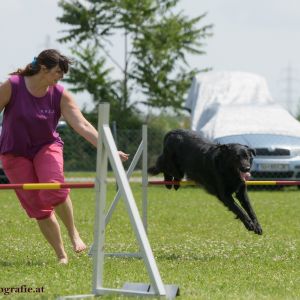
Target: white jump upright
107,150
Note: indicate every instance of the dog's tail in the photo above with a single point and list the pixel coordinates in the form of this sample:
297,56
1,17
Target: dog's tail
159,166
153,170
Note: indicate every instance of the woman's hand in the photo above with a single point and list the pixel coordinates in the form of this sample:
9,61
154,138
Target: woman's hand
123,156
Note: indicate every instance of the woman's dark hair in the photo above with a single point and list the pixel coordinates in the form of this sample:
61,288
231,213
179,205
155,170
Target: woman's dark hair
49,58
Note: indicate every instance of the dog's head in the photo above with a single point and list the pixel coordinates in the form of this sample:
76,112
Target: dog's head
239,157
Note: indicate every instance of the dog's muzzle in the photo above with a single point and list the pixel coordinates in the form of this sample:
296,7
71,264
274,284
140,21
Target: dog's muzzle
245,173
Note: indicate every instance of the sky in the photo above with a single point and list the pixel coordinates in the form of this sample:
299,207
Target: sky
258,36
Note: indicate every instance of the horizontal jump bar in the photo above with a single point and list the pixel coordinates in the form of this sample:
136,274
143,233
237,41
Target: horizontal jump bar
249,182
88,185
46,186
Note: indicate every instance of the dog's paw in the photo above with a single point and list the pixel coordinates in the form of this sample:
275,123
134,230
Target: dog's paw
249,225
257,229
176,186
168,186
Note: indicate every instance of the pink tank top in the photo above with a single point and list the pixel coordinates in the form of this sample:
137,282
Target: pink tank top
29,122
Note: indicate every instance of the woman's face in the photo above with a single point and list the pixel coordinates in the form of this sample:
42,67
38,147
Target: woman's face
54,75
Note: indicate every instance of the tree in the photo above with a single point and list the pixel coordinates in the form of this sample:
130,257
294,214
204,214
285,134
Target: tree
156,40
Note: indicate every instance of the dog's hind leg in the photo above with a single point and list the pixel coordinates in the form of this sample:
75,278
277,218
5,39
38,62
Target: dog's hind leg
175,170
177,186
172,173
168,177
243,198
171,178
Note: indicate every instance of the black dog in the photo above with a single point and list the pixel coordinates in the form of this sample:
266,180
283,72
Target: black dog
220,169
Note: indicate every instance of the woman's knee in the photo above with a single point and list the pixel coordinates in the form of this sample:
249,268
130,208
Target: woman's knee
53,198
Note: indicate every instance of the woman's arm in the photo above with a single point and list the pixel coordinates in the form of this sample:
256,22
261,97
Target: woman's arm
78,122
5,94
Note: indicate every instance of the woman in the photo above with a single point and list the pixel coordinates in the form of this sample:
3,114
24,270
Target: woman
31,149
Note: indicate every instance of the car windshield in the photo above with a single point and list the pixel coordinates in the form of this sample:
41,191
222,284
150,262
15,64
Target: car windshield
261,140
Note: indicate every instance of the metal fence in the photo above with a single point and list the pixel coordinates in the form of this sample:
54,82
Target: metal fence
79,155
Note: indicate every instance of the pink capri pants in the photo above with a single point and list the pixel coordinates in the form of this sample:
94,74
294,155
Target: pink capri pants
46,166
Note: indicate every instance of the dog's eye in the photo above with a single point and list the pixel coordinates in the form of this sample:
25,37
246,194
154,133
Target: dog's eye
244,155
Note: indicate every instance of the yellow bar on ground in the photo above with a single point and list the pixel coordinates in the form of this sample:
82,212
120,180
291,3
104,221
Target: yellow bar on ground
253,182
188,183
44,186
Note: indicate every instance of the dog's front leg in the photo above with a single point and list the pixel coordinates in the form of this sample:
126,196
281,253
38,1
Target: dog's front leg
242,196
232,206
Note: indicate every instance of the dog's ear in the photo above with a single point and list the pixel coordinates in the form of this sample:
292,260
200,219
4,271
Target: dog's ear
252,151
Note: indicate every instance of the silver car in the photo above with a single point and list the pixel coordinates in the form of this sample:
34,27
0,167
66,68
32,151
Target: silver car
277,156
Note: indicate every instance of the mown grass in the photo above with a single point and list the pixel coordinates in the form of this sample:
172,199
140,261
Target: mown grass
196,242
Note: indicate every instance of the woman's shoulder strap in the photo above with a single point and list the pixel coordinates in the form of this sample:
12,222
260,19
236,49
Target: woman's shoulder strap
15,80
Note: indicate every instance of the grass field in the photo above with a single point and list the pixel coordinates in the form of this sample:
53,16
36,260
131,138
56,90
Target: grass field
197,244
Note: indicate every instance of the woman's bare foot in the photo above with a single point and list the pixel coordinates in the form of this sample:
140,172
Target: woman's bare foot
78,244
63,261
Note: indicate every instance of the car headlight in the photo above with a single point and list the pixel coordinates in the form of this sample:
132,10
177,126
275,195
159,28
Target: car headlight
295,152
